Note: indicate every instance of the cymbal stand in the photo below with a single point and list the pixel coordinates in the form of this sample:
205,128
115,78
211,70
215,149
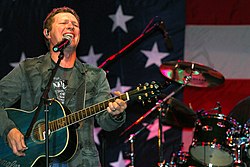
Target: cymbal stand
131,139
132,153
161,162
161,109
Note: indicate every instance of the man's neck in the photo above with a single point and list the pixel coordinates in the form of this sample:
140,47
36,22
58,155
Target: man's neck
68,60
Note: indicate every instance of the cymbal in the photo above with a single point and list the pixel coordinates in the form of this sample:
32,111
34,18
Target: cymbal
178,114
201,75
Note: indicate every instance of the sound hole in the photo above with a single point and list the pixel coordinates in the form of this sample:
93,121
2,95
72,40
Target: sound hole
39,132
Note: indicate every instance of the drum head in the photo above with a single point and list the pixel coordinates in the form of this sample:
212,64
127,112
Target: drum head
210,155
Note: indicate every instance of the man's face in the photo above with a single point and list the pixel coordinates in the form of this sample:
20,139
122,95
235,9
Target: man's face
64,23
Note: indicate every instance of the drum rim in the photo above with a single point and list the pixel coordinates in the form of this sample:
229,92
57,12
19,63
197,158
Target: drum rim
219,117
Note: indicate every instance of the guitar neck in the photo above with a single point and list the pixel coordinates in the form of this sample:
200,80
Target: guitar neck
84,113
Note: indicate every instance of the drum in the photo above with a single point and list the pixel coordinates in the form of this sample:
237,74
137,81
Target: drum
213,137
245,137
182,159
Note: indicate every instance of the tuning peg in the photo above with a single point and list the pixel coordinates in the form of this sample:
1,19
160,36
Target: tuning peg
139,98
151,86
156,86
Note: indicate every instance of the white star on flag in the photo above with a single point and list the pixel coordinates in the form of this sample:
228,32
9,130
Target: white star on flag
120,19
91,58
120,88
96,132
120,162
154,56
23,57
153,128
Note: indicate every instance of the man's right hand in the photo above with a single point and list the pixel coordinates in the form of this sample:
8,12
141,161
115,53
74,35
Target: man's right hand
16,142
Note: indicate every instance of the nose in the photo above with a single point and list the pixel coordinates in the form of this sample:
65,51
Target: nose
70,26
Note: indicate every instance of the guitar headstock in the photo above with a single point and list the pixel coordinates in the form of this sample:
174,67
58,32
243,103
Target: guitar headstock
145,92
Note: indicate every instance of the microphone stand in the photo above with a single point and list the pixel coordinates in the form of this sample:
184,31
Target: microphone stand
45,101
125,49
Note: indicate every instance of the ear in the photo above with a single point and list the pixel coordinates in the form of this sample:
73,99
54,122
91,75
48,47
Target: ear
46,33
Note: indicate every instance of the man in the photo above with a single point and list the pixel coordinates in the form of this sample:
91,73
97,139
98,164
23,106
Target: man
75,85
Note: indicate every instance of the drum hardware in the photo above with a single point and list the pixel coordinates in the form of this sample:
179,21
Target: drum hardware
217,109
161,108
240,147
248,137
245,141
172,162
187,74
233,136
179,158
213,140
131,140
199,76
178,114
183,159
132,153
207,128
237,144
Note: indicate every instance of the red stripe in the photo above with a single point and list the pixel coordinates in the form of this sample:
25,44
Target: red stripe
218,12
228,94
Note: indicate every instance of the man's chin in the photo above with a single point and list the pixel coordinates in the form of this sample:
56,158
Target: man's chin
70,49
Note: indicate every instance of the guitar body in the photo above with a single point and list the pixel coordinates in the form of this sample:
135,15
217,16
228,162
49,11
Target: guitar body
62,142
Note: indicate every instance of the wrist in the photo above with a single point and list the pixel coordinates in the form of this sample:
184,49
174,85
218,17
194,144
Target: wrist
117,117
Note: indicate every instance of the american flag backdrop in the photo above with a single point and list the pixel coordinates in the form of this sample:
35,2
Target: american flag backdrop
217,35
107,26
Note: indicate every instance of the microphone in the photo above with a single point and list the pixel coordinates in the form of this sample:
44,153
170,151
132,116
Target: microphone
166,37
67,39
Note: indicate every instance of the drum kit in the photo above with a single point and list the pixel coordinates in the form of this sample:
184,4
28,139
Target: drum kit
218,140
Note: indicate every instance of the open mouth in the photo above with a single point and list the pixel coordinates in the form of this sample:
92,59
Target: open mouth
71,36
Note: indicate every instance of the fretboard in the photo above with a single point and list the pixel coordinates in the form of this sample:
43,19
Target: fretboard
84,113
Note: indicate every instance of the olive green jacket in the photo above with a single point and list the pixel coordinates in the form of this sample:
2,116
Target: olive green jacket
29,79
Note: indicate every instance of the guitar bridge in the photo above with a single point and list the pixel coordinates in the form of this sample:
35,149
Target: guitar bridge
39,133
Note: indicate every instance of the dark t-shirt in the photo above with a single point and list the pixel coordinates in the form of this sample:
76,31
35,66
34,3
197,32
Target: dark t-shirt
60,83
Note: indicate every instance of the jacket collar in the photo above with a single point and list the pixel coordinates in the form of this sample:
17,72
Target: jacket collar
77,78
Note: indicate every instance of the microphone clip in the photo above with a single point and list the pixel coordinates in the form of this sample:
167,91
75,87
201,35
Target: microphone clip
168,41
